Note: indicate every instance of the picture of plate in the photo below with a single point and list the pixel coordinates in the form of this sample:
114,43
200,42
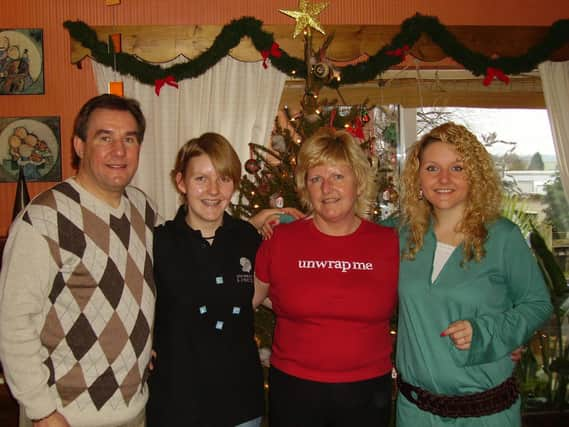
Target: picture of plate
30,144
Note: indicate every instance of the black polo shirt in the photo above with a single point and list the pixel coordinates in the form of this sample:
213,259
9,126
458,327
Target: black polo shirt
207,372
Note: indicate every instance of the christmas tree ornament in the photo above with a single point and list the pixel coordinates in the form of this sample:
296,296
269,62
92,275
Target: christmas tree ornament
306,16
265,356
276,201
321,71
356,129
365,115
252,166
278,143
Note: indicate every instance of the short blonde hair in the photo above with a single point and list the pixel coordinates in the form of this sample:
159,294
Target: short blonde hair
329,146
222,155
484,199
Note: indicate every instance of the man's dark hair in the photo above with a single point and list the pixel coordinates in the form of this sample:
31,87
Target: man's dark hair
106,102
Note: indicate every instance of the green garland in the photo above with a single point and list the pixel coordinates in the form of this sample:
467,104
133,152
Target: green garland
386,57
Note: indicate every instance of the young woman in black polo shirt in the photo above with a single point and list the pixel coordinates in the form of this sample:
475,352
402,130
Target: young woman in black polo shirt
207,371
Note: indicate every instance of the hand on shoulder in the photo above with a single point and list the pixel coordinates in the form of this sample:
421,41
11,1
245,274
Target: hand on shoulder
267,219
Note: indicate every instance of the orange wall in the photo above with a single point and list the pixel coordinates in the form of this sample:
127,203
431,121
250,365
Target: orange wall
67,87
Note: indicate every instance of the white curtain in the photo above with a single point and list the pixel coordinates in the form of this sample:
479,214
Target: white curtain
555,82
236,99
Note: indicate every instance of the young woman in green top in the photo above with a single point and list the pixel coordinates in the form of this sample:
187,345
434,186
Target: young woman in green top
470,291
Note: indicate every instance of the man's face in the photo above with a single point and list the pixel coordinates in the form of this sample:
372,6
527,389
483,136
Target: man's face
109,156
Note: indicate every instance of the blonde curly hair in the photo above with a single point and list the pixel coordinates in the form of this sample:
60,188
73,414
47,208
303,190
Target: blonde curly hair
484,199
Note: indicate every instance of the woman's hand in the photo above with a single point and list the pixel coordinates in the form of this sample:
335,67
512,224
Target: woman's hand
267,219
460,332
517,354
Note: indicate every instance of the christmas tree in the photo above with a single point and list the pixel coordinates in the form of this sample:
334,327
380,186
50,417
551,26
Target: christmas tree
270,170
270,179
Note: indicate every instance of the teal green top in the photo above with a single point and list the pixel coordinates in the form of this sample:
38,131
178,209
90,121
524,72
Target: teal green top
505,299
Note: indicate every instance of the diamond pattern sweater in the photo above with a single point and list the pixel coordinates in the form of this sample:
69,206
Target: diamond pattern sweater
77,301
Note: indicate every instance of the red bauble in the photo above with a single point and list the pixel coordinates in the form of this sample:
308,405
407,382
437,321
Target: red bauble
252,166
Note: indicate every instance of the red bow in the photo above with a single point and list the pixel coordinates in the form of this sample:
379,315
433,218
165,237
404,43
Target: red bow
168,80
274,51
357,130
400,51
492,73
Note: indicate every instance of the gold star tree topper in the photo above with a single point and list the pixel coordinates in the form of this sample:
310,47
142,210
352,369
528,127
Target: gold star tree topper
306,16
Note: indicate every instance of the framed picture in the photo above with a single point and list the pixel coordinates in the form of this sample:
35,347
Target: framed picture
21,61
32,144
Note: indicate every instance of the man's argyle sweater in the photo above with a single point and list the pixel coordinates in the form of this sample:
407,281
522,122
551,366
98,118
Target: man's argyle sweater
98,306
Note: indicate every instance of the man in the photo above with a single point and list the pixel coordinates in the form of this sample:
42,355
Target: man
76,288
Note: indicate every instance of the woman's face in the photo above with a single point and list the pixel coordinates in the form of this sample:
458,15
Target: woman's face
443,178
207,194
332,190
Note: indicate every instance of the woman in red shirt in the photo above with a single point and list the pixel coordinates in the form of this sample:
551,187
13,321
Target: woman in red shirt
333,297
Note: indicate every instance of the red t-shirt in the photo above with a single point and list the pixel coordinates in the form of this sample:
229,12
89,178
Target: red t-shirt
333,297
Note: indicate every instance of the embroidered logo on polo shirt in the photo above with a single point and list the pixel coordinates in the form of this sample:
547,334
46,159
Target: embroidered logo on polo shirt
246,267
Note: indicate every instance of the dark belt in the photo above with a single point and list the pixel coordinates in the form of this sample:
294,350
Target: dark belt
492,401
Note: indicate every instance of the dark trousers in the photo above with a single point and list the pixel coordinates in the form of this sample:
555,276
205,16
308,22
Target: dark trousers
294,402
